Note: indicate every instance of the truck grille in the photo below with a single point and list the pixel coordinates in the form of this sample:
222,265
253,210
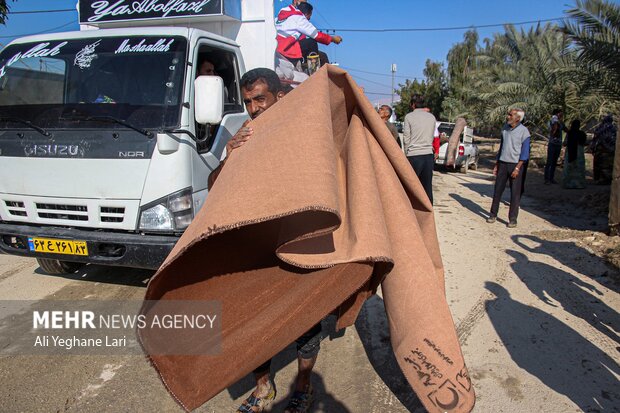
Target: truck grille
16,208
58,211
91,213
111,214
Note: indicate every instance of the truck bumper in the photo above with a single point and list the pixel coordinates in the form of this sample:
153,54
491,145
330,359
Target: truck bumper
107,248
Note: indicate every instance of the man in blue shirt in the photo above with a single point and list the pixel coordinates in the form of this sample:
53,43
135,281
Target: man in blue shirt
514,150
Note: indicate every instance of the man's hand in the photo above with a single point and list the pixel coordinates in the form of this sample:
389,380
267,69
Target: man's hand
336,39
514,173
495,170
240,138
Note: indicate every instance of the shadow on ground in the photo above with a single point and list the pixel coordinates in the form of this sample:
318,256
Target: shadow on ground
556,354
556,287
573,256
372,327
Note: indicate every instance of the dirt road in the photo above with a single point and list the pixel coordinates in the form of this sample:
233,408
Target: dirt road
537,318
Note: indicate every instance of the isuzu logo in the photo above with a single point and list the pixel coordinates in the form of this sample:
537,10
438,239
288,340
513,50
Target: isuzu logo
52,150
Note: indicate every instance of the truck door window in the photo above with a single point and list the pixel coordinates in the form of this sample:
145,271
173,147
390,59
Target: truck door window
211,61
225,66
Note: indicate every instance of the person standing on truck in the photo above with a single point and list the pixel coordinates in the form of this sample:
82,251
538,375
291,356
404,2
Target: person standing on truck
291,24
309,46
418,135
261,88
514,151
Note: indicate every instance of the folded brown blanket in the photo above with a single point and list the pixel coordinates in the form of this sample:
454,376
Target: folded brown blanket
315,211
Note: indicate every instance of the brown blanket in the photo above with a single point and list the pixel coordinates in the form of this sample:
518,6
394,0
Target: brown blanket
308,218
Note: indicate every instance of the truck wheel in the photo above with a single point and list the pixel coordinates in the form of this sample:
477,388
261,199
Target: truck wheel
465,166
57,267
474,166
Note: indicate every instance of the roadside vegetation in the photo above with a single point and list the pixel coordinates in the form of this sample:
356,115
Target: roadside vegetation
574,66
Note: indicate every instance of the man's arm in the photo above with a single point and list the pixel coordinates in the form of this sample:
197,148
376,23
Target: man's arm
406,134
236,141
499,153
304,26
523,157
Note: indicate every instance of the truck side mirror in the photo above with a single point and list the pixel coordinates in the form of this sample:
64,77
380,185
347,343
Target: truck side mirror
209,99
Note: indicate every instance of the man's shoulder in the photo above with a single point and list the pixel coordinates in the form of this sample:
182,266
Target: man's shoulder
422,114
523,130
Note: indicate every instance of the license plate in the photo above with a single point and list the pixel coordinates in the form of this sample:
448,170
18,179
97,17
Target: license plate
57,246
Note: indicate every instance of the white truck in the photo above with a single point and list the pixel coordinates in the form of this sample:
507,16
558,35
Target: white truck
468,153
107,137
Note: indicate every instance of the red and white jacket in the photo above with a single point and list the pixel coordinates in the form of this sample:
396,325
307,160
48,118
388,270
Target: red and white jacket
291,24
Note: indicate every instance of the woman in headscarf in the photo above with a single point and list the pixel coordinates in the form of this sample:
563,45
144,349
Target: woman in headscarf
603,147
574,176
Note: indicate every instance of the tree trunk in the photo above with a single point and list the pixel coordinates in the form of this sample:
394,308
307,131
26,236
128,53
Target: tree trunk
614,198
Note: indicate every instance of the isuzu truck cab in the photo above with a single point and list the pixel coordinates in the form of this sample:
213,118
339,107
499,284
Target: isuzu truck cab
108,134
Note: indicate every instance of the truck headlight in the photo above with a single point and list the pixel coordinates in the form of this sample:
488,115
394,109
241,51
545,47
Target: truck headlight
171,213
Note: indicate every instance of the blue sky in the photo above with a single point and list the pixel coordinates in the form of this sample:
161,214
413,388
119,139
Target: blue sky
360,52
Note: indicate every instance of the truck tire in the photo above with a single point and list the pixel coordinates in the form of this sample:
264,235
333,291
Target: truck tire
57,267
465,166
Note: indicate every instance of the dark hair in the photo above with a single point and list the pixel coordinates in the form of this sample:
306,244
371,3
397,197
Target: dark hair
386,106
305,8
556,111
265,75
575,125
417,100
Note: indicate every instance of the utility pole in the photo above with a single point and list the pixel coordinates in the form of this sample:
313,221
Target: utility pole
392,90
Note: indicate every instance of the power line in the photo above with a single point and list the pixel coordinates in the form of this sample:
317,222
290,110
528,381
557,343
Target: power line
41,11
379,74
436,29
41,32
380,94
371,81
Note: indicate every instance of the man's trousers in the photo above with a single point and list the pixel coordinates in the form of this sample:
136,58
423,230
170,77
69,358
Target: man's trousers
503,177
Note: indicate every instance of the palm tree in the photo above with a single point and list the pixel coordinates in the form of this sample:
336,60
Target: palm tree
4,11
595,30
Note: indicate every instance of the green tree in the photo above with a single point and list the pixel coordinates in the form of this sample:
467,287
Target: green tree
595,31
405,92
433,88
4,11
461,62
436,87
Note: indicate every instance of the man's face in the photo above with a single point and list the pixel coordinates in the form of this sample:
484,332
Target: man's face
512,117
258,98
296,2
207,69
384,113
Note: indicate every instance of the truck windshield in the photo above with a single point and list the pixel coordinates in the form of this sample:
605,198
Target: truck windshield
77,82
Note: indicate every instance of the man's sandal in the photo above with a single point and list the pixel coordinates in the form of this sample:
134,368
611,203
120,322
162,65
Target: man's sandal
300,401
255,404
